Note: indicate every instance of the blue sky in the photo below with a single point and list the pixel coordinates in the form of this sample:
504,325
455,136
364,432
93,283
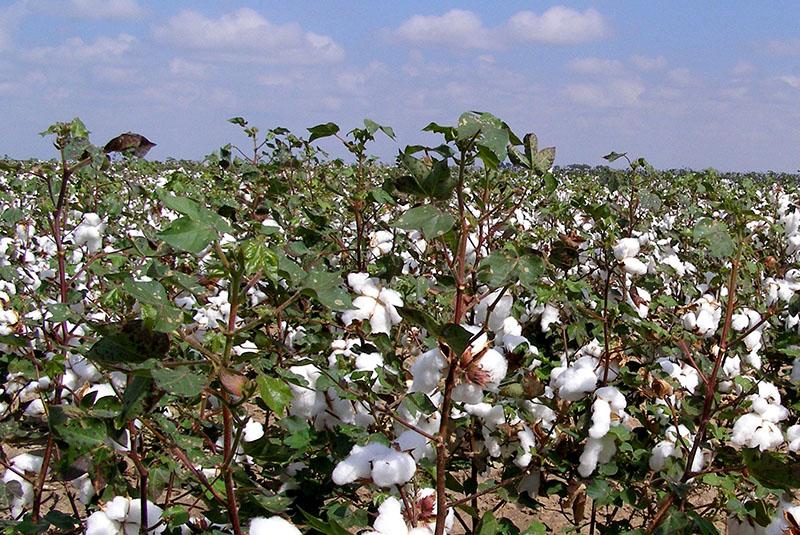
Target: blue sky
684,84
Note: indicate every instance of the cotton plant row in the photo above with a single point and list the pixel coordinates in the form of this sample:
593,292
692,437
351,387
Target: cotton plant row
592,358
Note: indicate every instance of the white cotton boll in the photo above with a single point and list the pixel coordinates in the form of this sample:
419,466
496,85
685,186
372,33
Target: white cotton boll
390,519
527,441
393,468
739,322
767,436
550,315
774,413
575,383
596,450
356,465
252,431
427,371
495,365
468,393
660,453
779,525
793,437
634,266
99,523
306,401
368,361
274,525
134,516
626,248
601,418
83,485
705,322
614,397
689,321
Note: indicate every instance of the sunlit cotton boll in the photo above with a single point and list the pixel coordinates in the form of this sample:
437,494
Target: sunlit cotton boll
634,266
26,464
123,516
90,232
376,304
596,451
274,525
626,248
752,431
793,437
385,466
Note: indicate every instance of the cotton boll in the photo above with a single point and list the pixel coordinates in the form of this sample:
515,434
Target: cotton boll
393,468
527,441
779,525
660,453
634,266
390,519
739,322
793,437
357,465
596,450
272,526
626,248
306,401
470,393
495,365
574,383
99,523
550,315
601,418
427,371
252,431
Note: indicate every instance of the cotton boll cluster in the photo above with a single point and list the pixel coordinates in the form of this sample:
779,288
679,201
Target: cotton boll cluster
90,232
609,405
683,373
782,290
381,242
758,428
483,368
385,466
704,319
625,251
750,320
375,303
123,516
417,247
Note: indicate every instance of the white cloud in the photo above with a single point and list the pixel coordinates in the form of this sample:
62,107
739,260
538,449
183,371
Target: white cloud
245,34
104,9
616,93
784,47
188,69
76,50
682,77
10,17
596,66
791,81
356,81
648,63
743,68
460,28
558,25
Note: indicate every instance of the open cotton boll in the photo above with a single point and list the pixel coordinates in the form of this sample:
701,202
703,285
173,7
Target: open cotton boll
779,524
252,431
427,371
793,437
122,516
376,304
550,315
381,242
387,467
576,381
527,441
306,402
634,266
752,431
27,464
596,451
626,248
501,311
274,525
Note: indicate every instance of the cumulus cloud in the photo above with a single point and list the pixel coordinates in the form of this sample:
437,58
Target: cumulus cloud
558,25
246,34
784,47
615,93
596,66
460,28
10,17
648,63
100,9
76,50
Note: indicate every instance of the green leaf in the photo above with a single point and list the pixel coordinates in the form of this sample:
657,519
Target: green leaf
456,337
147,292
128,342
133,398
612,156
196,212
182,381
488,525
535,528
493,135
326,528
188,235
328,288
258,256
715,235
77,430
275,393
771,469
432,221
323,130
419,318
373,127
